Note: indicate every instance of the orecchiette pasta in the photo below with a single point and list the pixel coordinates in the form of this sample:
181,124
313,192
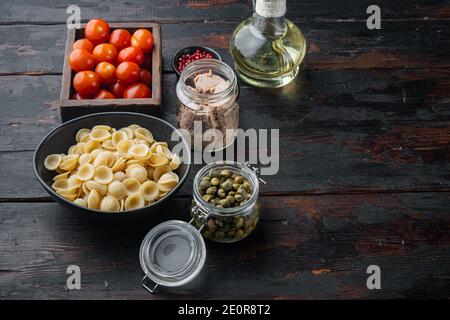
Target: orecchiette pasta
114,170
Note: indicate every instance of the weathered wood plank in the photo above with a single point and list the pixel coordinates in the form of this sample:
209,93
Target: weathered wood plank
54,11
311,247
331,46
340,131
317,99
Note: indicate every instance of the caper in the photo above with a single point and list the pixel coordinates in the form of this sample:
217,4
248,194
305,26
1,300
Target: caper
211,224
235,186
230,199
207,234
247,187
227,185
219,223
213,173
207,197
230,234
231,193
225,203
211,190
215,181
221,193
205,185
225,173
238,197
206,178
239,223
219,234
219,206
239,234
239,179
202,192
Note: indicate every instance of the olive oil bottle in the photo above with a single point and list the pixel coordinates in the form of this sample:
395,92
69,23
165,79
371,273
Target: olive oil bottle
267,48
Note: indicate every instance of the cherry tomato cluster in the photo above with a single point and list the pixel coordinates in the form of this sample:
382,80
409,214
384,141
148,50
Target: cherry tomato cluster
185,59
112,65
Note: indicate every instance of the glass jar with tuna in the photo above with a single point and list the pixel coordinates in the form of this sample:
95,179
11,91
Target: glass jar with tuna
226,204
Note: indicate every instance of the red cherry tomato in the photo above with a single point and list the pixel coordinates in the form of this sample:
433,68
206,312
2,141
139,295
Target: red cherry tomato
120,38
137,90
81,60
103,94
106,71
131,54
86,82
83,44
97,31
117,89
78,96
105,52
142,39
146,77
128,72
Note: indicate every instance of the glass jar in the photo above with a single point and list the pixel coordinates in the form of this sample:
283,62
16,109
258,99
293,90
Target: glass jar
202,108
226,224
173,253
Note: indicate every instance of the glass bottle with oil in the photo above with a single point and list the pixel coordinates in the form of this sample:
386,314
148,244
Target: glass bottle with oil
267,48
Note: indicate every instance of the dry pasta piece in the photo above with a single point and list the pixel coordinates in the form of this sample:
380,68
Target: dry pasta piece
149,190
159,171
109,203
99,135
117,189
119,176
61,184
93,200
137,172
156,160
81,202
175,162
103,175
86,172
144,134
52,161
69,162
85,158
91,145
64,175
102,126
107,145
123,148
139,150
131,185
135,201
82,133
129,132
74,181
117,137
119,165
100,188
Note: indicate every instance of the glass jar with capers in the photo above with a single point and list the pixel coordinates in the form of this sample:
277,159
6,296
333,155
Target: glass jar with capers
226,204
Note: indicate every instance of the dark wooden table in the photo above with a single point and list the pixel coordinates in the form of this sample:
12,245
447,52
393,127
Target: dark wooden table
364,166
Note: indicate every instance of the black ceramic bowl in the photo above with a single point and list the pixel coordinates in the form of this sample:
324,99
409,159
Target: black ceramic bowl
62,137
191,50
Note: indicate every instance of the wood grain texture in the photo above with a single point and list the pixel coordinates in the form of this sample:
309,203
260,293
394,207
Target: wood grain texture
54,11
311,247
331,46
339,130
364,157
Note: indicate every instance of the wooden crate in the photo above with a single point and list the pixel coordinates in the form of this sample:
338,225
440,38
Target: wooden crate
71,108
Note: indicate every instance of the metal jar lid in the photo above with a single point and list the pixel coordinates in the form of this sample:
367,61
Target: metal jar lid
172,254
